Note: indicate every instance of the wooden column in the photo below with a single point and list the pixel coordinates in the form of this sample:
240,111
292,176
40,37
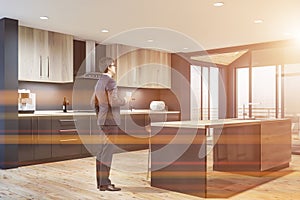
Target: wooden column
8,93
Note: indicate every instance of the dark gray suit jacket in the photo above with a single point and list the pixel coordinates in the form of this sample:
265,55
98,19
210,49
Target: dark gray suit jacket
109,102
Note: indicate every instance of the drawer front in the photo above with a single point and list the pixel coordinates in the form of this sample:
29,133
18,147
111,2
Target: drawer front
65,139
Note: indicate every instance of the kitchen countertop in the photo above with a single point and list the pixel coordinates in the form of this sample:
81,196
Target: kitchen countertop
146,111
40,113
202,124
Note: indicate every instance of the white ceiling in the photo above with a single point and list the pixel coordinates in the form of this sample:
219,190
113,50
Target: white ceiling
172,24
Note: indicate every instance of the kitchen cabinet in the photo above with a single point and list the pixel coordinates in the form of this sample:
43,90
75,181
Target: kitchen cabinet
45,56
27,127
83,126
79,54
42,138
65,140
26,55
154,69
144,68
51,138
35,139
54,137
40,54
60,62
136,126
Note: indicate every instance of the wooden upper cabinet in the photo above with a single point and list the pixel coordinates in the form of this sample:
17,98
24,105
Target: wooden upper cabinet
45,56
144,68
26,55
154,70
41,54
60,57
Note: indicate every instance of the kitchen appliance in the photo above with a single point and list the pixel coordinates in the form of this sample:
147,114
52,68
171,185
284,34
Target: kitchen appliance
157,105
26,101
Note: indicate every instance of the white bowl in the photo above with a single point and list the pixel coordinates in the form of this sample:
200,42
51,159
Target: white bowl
157,105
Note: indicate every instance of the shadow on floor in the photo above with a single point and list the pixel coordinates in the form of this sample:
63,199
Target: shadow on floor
296,149
225,185
142,190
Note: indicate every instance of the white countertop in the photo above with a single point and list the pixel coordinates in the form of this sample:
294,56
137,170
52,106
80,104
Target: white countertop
202,124
146,111
40,113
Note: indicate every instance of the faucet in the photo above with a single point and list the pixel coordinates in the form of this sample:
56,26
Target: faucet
131,107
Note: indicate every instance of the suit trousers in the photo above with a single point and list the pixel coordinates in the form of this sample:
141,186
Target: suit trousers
104,154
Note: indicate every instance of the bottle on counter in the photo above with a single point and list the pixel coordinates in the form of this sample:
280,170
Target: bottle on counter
65,103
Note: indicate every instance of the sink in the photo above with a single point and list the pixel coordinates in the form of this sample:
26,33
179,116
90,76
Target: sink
60,111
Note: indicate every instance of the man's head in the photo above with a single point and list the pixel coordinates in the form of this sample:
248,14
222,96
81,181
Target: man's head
107,65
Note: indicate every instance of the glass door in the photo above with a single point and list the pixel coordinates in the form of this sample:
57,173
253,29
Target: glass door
291,98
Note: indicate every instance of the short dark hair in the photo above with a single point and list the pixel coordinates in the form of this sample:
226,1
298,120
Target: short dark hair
104,63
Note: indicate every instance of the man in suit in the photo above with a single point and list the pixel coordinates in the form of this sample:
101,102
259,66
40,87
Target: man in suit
107,104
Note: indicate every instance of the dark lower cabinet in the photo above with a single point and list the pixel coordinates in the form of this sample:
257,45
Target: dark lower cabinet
34,139
137,128
46,138
27,126
65,140
42,137
83,125
53,138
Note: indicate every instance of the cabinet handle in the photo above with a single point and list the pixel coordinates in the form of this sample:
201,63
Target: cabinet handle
48,67
68,131
41,69
67,140
67,120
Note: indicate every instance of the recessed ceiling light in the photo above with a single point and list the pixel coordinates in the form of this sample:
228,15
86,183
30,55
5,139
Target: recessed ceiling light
104,31
44,17
150,40
218,4
258,21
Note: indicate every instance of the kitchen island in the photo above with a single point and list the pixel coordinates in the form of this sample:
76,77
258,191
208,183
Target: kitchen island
179,150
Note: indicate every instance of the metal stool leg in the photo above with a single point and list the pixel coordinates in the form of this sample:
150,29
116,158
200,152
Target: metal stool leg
148,129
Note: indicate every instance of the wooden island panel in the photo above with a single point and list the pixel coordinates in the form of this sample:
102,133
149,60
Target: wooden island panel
262,147
276,146
237,149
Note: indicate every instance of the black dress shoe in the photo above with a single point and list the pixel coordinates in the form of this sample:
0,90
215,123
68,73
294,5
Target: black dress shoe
109,188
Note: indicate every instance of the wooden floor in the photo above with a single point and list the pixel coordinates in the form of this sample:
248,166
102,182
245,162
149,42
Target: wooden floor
75,179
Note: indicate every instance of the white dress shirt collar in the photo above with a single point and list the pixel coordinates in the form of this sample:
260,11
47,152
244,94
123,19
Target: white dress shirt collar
107,74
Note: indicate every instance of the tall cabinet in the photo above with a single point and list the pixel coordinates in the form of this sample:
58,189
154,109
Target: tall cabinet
45,56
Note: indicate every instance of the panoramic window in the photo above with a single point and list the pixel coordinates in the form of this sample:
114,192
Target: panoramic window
204,93
242,84
264,92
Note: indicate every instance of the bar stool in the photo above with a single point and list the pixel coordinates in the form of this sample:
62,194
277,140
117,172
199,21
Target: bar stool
148,130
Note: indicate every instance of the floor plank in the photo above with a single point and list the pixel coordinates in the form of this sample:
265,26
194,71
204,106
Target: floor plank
75,179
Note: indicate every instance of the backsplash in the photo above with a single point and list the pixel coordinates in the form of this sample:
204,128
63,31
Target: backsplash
49,96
